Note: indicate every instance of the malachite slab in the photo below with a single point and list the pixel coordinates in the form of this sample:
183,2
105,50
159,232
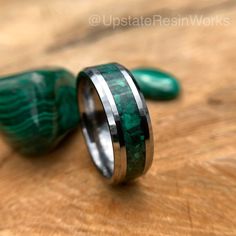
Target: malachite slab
38,108
156,84
134,136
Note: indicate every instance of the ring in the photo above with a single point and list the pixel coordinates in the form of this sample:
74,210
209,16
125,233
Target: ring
115,122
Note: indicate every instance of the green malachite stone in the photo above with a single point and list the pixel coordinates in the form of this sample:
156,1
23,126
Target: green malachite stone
38,108
133,133
156,84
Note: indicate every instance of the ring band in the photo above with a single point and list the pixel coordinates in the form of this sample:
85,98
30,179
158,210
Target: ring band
115,122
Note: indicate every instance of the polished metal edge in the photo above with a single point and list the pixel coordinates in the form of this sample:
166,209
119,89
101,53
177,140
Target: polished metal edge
113,118
143,110
149,143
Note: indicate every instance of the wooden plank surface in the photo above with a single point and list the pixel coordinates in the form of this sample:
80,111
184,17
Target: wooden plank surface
191,187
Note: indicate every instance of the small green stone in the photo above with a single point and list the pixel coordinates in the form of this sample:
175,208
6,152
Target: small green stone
38,108
156,84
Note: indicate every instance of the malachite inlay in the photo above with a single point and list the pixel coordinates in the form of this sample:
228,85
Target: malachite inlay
156,84
38,108
134,136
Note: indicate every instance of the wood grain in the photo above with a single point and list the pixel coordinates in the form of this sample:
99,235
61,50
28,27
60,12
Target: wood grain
191,187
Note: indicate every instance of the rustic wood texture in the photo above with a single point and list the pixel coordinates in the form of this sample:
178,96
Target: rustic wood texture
191,187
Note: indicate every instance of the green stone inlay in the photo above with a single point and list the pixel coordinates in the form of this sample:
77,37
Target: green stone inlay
38,108
130,119
156,84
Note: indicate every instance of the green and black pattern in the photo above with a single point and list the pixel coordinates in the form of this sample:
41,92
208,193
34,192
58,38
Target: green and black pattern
131,123
38,108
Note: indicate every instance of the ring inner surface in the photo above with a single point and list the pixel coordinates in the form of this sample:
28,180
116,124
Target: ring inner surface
96,129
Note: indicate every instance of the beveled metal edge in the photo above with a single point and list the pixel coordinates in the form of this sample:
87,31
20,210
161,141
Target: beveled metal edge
113,119
143,110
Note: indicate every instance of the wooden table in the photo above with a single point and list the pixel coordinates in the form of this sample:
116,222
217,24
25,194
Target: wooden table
191,187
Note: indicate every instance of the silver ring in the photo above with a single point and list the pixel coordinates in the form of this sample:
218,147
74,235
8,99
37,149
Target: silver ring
115,122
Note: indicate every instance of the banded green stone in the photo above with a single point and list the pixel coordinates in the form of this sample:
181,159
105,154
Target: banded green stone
131,123
38,108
